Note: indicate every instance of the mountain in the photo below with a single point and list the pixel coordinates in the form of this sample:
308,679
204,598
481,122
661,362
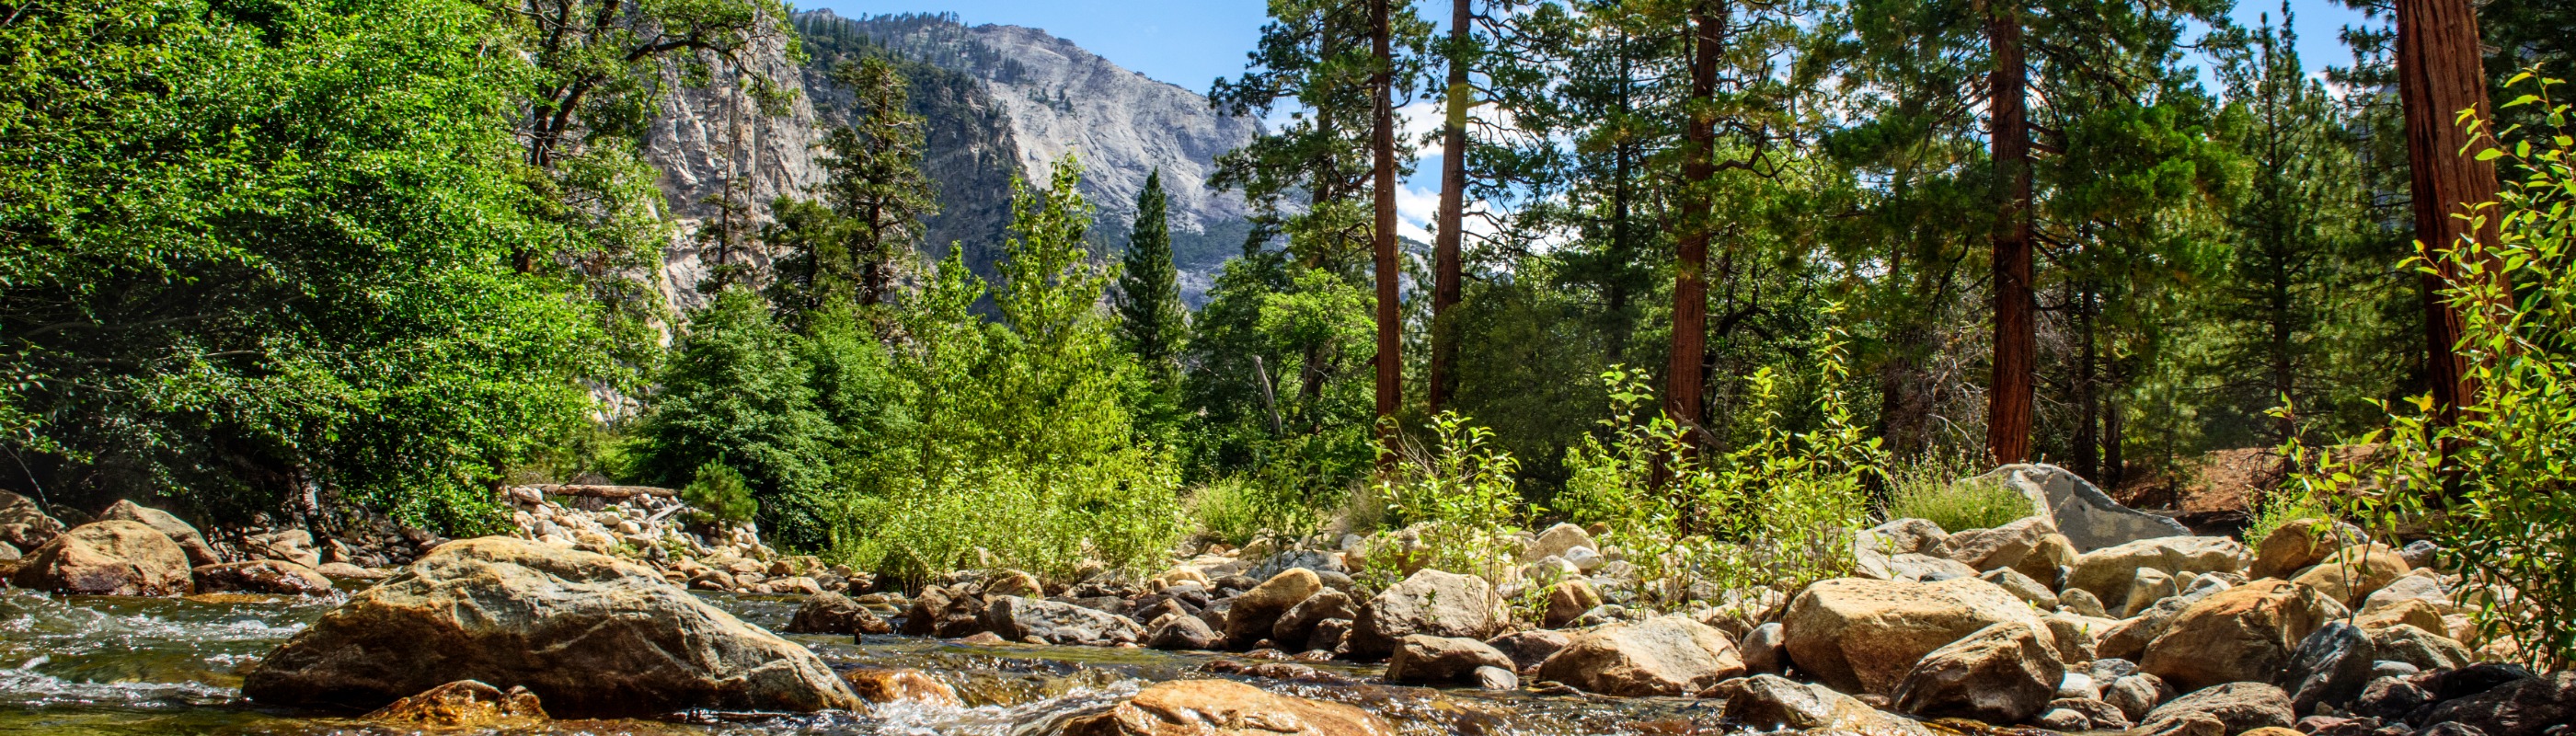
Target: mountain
1001,102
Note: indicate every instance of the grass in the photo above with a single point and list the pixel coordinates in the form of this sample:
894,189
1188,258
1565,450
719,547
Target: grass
1936,487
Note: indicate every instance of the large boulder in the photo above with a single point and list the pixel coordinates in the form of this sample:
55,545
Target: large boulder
2330,667
1433,660
112,558
2295,545
187,537
1211,708
1295,629
1430,602
2107,573
2002,674
834,613
1256,611
2425,650
1556,540
273,577
1861,635
2087,516
2021,545
2240,634
1182,632
23,524
1022,619
2353,573
1669,655
2240,706
2525,707
1767,703
592,635
944,612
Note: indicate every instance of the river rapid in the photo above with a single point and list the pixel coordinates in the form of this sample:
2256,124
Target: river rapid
98,666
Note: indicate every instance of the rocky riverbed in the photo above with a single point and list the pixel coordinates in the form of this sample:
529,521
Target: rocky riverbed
605,616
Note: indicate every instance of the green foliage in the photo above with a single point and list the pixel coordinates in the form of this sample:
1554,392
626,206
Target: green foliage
1235,510
738,391
1460,496
1150,313
2277,509
250,251
874,198
1937,487
721,492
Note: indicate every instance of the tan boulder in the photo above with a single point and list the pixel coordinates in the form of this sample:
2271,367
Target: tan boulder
1257,611
1861,635
2002,674
1668,655
900,684
1568,600
2353,573
2243,634
1013,582
114,557
1997,548
274,577
187,537
1427,602
2108,572
2297,544
463,704
2419,613
1214,708
25,525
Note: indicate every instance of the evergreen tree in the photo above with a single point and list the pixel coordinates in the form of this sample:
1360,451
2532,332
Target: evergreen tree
737,391
1149,290
876,195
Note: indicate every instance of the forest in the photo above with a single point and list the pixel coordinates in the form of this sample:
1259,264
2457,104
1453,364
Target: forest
1743,271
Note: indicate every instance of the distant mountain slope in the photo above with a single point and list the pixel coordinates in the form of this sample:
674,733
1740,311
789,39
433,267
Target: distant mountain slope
1001,102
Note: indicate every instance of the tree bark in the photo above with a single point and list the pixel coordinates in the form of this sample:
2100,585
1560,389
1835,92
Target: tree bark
2440,73
2016,334
1390,333
1685,380
1445,266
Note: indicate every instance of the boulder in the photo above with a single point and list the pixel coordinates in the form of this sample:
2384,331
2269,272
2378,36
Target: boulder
833,613
593,635
2295,545
273,577
2022,586
1860,635
1174,633
1922,568
2241,706
1496,678
2098,715
943,612
2419,586
2241,634
1320,563
899,685
1257,610
1765,703
1901,536
346,571
2410,612
1996,548
2353,573
1021,619
2087,516
1568,599
2150,586
2526,707
1764,650
2330,666
2425,650
1429,602
1529,648
23,524
189,541
1556,540
1670,655
2136,694
1211,708
2108,572
2001,674
2128,639
2075,635
463,704
2081,602
112,558
1295,629
292,545
1434,660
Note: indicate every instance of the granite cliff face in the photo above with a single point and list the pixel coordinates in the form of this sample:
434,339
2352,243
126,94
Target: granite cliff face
1002,103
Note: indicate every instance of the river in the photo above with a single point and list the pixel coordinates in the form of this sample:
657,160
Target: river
101,666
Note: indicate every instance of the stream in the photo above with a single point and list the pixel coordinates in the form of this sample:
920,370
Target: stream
97,666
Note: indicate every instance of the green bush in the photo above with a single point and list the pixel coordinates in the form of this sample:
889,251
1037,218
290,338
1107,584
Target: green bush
1462,494
2280,507
1937,488
720,492
1234,510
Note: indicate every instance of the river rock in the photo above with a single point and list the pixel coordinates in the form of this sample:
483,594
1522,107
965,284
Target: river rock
1212,708
1433,660
1773,703
2075,635
2087,516
2241,706
2425,650
2411,612
2098,715
113,557
1901,536
2353,573
1556,540
464,704
1182,633
2240,634
2418,586
1021,619
900,685
2081,602
1256,611
943,612
1669,655
1296,628
2137,694
1529,648
291,545
23,524
833,613
1914,567
2107,573
2003,547
592,635
1012,582
2299,543
1567,600
2330,666
2526,707
2004,674
1318,562
1764,648
2022,586
274,577
189,541
1429,602
2150,585
1861,635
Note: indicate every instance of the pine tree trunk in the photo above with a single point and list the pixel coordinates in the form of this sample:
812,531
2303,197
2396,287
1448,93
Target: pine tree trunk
2440,73
1390,333
1684,381
2016,334
1445,265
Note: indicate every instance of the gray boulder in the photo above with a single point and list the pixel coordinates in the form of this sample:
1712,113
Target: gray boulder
1433,660
594,636
1020,619
1773,703
1670,655
1182,633
2083,513
2001,674
2329,667
1429,602
2240,706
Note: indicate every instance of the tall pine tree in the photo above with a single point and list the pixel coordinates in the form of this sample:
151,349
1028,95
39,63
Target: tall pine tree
1149,291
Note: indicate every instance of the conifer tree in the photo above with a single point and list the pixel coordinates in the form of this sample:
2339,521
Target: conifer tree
1149,290
875,184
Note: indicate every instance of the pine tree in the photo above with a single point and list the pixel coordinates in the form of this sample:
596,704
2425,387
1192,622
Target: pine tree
875,184
1149,290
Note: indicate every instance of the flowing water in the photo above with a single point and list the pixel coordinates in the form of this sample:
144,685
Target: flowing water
99,666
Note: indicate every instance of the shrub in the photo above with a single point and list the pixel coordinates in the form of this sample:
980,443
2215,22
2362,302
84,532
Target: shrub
1461,493
1936,487
1235,510
719,492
